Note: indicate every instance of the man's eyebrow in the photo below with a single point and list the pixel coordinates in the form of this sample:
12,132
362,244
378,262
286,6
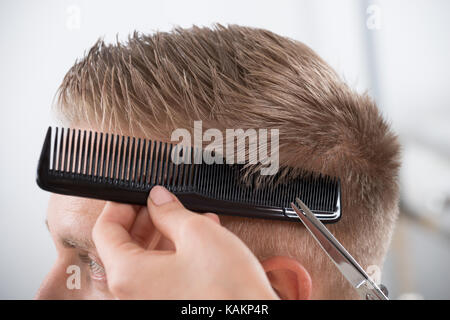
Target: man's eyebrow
72,242
84,244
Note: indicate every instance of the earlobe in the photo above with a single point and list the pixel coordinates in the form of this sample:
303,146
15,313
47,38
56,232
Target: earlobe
288,278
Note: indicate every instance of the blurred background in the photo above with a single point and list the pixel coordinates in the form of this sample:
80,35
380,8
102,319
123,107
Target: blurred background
398,50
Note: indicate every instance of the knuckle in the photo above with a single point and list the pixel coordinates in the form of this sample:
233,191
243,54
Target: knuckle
192,225
212,216
118,284
95,231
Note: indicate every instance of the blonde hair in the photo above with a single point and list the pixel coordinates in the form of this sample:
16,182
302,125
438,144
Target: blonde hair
252,78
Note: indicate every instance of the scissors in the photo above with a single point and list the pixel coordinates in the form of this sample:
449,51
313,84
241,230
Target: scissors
346,264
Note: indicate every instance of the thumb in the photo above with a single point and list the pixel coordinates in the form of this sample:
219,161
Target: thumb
214,217
111,234
167,213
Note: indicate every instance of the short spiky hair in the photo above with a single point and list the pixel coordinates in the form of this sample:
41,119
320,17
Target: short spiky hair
243,77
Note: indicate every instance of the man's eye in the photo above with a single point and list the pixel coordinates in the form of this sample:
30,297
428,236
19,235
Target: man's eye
97,271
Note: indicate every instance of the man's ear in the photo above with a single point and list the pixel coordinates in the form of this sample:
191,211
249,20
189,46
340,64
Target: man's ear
288,278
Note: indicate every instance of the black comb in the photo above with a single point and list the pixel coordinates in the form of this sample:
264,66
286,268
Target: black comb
124,169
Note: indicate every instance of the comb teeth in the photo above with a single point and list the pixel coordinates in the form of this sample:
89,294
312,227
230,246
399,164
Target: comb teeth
128,164
118,159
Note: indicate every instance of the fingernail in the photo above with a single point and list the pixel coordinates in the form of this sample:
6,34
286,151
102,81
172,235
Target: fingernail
160,195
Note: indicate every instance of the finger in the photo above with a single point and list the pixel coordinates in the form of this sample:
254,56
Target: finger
214,217
111,232
143,229
167,213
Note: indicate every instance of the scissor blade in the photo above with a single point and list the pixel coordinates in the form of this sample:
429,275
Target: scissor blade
348,266
351,270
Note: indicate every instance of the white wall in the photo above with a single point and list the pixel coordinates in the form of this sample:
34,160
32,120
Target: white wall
413,49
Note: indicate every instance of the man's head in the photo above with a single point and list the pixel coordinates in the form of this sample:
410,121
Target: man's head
238,77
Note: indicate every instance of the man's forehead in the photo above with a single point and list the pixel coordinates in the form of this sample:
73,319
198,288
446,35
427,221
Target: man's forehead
67,212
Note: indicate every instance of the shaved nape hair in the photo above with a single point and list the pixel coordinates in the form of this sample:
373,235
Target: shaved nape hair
241,77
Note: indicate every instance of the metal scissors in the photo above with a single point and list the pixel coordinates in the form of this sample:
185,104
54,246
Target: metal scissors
348,266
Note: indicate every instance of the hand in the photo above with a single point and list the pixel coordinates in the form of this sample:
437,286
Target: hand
209,262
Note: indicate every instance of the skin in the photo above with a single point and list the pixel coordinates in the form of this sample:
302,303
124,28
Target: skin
133,252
